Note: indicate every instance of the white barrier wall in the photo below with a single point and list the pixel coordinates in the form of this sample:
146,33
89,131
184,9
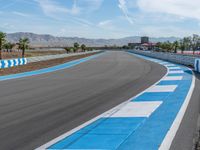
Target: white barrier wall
176,58
12,62
197,65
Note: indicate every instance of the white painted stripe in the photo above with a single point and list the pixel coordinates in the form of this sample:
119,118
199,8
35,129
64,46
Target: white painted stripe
174,67
170,65
26,61
6,64
12,63
21,62
164,63
166,144
137,109
176,72
173,78
162,88
17,62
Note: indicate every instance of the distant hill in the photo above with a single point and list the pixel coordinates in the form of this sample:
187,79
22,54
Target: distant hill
53,41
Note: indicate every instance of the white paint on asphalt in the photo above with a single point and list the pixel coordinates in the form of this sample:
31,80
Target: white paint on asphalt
162,88
173,78
137,109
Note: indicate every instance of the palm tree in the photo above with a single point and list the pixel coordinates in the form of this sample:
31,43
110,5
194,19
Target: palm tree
76,46
2,41
195,42
8,46
23,45
83,47
182,46
175,45
68,49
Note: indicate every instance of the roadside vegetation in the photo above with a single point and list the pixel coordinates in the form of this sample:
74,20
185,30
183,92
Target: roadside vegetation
15,50
190,43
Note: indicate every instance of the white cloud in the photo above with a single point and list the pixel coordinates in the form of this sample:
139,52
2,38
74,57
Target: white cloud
123,6
52,8
105,23
182,8
89,5
20,14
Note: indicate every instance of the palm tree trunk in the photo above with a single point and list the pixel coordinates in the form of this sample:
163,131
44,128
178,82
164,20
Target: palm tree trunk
23,53
0,54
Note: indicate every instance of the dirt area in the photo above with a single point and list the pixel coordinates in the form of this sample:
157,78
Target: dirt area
17,54
40,65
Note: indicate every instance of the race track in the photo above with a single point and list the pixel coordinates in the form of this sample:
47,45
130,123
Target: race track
37,109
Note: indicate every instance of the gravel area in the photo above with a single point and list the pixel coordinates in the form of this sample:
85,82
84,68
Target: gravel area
40,65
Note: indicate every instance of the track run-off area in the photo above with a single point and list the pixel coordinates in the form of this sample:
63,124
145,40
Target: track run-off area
113,100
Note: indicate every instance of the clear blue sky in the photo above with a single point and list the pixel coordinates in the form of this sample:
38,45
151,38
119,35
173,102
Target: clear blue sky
101,18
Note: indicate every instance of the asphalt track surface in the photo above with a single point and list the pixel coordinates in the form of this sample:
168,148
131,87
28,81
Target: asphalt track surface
37,109
187,132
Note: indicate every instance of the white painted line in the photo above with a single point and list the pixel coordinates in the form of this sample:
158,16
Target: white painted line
174,68
164,63
6,64
137,109
166,144
26,61
170,65
17,62
176,72
12,63
173,78
162,88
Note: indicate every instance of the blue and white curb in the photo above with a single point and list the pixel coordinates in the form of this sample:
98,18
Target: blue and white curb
148,121
197,65
12,62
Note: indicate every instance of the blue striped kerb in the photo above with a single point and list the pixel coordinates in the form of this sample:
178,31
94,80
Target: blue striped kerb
136,133
12,62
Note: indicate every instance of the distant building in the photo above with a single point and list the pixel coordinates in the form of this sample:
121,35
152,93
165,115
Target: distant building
133,45
144,39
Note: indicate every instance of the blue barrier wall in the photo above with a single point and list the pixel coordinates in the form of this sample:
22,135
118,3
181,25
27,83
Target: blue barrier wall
197,65
12,62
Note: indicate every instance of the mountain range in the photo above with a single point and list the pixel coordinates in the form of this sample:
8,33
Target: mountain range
46,40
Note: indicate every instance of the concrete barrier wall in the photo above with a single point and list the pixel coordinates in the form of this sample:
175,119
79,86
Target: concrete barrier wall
49,57
177,58
12,62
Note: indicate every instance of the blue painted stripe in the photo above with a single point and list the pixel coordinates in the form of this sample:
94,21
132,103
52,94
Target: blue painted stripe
50,69
105,133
